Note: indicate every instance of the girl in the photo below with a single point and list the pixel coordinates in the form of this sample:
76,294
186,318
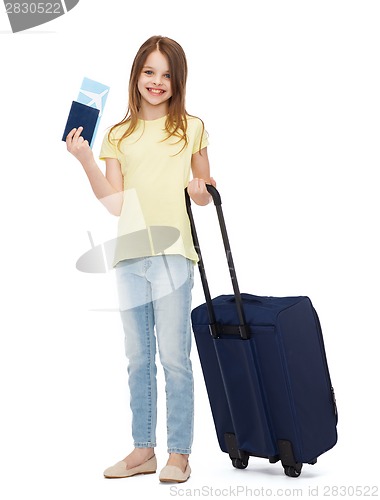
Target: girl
148,158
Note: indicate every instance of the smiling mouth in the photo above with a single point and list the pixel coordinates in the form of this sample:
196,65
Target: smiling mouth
155,91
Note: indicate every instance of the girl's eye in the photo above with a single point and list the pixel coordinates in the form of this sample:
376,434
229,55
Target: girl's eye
148,72
167,75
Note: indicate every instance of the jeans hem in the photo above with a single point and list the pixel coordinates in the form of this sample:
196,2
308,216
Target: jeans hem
182,451
145,445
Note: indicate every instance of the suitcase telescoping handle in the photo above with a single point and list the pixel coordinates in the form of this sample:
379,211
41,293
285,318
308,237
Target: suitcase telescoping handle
215,328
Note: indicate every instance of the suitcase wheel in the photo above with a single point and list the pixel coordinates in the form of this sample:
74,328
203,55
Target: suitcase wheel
238,463
293,471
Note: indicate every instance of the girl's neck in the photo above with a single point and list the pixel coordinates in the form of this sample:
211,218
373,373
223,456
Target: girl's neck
152,112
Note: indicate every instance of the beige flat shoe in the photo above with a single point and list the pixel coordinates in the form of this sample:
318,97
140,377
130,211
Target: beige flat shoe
120,470
173,474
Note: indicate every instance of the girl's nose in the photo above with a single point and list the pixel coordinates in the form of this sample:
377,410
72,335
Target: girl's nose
157,80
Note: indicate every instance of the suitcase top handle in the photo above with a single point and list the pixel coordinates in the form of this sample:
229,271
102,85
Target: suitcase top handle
242,327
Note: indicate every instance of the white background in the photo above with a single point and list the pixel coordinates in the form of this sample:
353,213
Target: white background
289,92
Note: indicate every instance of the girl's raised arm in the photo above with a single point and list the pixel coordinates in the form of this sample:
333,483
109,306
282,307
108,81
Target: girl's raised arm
107,188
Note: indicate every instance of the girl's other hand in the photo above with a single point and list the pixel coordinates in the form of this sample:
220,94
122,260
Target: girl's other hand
78,146
198,192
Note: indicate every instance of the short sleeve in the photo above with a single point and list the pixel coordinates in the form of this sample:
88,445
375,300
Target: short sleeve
200,137
108,148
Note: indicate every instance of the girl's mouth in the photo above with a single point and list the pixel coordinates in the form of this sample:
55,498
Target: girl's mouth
155,91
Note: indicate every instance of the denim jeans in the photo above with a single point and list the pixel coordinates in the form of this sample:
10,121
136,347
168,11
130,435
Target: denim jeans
155,305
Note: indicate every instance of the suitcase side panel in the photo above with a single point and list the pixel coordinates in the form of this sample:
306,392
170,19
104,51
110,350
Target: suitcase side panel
308,380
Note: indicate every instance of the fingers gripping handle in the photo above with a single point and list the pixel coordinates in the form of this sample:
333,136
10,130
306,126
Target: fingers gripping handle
214,193
243,329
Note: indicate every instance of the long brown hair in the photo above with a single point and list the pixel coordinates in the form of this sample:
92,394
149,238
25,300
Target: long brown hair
176,121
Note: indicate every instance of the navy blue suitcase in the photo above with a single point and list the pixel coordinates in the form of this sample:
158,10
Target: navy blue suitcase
265,370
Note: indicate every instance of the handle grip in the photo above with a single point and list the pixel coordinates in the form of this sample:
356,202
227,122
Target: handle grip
216,198
215,194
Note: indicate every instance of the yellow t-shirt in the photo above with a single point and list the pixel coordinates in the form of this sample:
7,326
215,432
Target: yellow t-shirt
153,218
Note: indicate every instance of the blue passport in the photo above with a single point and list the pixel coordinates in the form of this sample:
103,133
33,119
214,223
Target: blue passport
81,115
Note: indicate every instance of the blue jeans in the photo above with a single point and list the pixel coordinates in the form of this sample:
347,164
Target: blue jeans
155,300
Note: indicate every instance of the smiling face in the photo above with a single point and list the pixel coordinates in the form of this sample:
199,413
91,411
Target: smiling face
154,86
